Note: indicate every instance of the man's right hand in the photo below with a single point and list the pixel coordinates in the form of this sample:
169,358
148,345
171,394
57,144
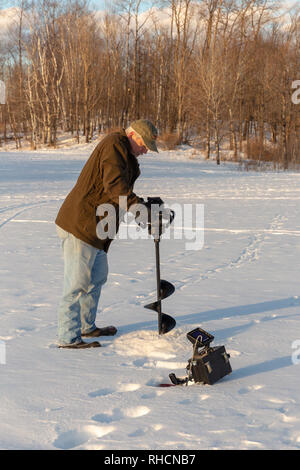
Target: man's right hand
157,218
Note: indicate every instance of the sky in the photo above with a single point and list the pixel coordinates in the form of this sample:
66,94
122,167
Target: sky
98,4
145,4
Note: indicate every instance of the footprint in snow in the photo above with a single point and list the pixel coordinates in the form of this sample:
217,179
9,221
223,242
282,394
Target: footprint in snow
76,437
252,444
251,388
136,412
103,392
151,395
109,417
289,419
139,432
117,414
24,329
6,338
128,387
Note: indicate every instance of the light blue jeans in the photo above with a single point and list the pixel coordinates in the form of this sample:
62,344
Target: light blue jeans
85,272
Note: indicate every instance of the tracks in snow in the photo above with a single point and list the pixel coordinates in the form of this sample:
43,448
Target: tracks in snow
23,208
249,254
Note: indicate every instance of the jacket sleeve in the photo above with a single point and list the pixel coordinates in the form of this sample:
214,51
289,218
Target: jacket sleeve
115,179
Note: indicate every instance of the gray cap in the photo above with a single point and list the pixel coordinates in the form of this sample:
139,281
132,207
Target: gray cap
147,131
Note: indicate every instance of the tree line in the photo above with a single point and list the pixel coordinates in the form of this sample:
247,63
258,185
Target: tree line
220,72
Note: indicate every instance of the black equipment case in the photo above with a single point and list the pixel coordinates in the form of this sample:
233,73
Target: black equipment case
209,365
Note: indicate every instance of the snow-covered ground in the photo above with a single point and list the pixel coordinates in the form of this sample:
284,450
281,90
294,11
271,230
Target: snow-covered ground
243,287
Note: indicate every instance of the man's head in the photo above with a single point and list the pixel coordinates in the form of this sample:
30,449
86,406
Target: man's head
142,135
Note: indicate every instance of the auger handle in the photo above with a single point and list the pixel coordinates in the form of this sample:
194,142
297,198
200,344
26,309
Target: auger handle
158,233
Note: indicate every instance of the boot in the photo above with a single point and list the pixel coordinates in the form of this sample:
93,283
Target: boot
106,331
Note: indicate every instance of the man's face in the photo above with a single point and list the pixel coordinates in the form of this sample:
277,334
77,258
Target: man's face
138,146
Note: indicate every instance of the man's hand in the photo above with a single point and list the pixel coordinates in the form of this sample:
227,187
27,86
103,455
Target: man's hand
157,218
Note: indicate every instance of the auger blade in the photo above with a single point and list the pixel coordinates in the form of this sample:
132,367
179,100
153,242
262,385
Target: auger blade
166,289
163,289
166,323
152,306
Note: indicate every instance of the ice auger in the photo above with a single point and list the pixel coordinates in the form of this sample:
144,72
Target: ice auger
164,288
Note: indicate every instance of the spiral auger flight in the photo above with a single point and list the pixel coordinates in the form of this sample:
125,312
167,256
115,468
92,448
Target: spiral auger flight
164,289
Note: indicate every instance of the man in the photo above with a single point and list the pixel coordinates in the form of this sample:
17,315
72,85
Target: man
109,173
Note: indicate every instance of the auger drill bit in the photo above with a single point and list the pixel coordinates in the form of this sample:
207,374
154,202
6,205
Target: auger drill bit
164,289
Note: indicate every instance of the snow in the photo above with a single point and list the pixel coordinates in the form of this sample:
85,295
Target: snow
242,286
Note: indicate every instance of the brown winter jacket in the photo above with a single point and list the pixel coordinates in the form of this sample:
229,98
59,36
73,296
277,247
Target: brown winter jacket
110,172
